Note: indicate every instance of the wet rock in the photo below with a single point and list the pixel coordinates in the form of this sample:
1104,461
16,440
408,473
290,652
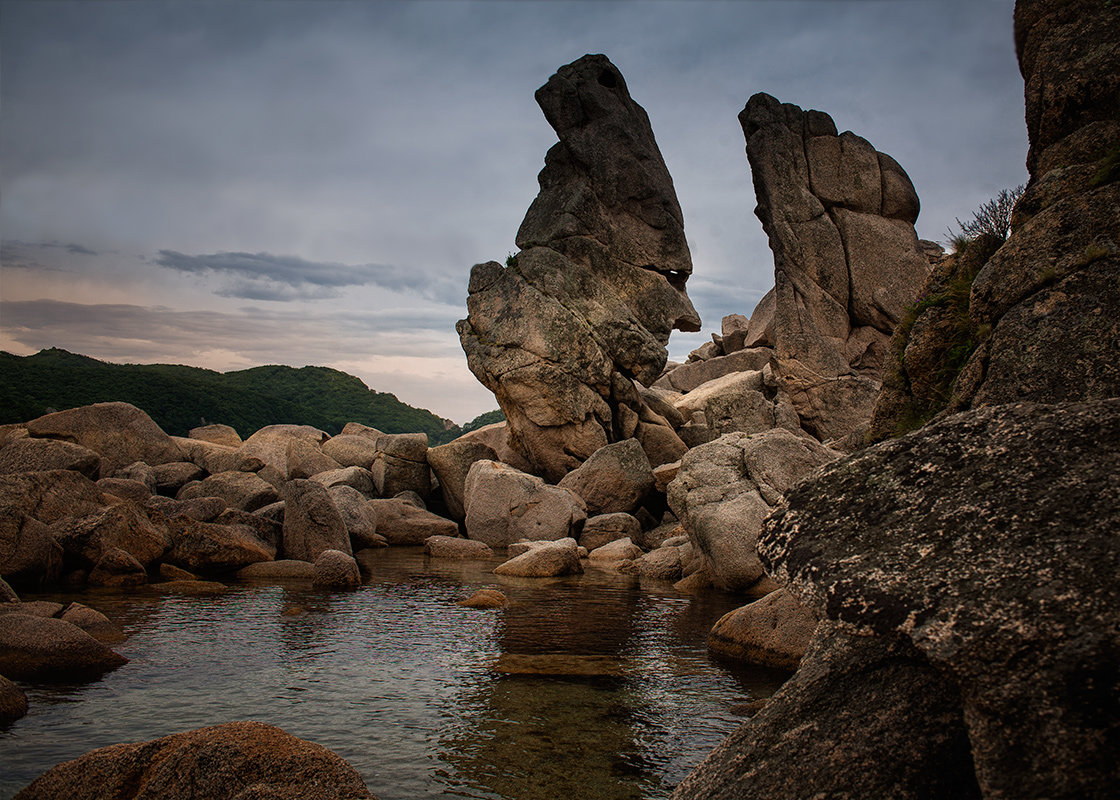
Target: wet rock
204,547
120,433
988,540
455,547
773,631
844,726
237,759
334,569
402,523
45,648
545,560
13,702
485,598
505,505
269,531
117,568
36,455
282,570
93,622
617,550
597,285
615,478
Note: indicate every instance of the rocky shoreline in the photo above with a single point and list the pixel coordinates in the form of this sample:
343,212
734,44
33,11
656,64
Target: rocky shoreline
948,597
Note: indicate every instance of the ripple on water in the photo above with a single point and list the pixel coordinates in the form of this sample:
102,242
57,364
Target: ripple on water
589,686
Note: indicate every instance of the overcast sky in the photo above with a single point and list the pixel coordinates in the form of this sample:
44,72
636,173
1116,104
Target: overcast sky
235,183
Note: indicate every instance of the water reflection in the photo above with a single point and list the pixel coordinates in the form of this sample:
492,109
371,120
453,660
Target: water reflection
587,686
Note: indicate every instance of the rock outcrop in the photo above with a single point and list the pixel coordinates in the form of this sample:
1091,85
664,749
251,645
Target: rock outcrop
988,540
237,759
1039,316
840,219
585,308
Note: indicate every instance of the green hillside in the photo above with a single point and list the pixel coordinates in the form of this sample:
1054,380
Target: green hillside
179,398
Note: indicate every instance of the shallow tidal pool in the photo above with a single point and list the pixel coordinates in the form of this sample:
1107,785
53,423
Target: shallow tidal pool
592,686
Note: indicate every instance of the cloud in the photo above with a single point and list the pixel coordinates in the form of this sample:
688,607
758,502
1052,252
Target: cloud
265,276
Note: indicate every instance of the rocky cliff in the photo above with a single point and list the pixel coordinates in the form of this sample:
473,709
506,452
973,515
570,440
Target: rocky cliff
967,572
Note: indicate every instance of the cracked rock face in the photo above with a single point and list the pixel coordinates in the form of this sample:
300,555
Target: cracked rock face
989,541
586,307
840,219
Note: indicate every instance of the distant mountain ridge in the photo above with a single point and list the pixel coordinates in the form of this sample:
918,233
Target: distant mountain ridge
179,398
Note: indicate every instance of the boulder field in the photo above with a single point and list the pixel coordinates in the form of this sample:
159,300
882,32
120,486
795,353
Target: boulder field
903,461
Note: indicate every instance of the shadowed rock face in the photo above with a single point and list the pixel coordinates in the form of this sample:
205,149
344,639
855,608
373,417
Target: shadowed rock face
561,334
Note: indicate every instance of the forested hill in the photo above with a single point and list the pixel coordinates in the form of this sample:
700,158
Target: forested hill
179,398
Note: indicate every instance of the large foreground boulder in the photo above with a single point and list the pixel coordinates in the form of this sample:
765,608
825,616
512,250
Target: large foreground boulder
989,541
36,455
862,718
588,303
235,760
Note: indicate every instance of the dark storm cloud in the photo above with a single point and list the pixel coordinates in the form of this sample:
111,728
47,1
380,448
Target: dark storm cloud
266,276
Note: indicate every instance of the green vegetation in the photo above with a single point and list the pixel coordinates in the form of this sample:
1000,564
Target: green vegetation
179,398
511,260
957,338
1109,170
993,218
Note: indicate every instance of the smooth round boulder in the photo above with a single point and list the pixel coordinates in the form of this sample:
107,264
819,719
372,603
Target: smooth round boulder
93,622
615,478
336,570
618,550
247,760
485,598
505,505
286,569
117,568
771,632
402,523
604,528
312,523
545,560
456,547
45,648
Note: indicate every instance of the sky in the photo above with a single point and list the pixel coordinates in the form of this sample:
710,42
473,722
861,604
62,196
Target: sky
244,182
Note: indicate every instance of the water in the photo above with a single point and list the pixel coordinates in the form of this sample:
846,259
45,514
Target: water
592,686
